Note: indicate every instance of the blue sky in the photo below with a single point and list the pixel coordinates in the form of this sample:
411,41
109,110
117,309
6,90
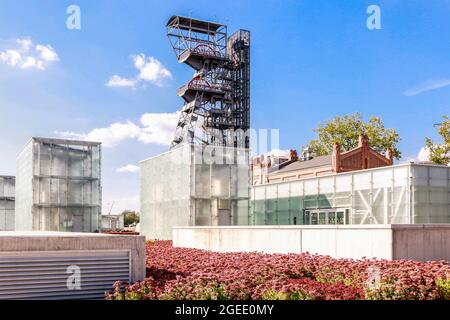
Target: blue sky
311,60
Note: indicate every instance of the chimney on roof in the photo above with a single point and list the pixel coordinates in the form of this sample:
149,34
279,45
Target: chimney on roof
306,154
269,162
363,143
363,140
390,156
336,158
293,155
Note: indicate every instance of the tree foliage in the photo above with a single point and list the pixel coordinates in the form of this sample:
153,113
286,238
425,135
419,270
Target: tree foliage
440,152
130,217
345,130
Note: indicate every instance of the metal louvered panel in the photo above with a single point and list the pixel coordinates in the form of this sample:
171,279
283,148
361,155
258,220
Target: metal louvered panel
45,275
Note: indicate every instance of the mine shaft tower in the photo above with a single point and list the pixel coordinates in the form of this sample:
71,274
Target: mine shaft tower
216,107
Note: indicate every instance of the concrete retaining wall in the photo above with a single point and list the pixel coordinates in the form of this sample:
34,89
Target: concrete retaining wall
67,241
415,242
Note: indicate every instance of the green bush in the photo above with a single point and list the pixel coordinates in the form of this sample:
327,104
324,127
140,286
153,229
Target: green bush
276,295
443,286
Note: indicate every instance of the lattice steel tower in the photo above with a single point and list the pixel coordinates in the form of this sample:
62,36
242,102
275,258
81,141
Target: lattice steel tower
217,98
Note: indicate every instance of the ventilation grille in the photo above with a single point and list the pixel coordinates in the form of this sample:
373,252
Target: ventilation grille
46,275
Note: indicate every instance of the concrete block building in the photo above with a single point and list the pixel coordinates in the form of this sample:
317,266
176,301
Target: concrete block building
58,186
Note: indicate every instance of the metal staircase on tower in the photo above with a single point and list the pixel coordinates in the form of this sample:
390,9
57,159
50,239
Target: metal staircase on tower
216,107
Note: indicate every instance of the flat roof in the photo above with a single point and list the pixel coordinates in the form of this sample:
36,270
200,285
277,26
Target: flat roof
7,177
186,23
182,146
50,234
66,141
316,162
322,226
404,164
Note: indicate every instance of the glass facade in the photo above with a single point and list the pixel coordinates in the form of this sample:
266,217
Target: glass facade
7,184
59,186
182,188
194,185
401,194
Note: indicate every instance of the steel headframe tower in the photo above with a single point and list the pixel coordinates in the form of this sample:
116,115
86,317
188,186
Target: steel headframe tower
217,98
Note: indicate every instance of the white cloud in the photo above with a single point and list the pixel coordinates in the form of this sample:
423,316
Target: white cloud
278,153
10,57
29,62
423,155
158,127
128,168
109,136
427,86
47,53
114,134
25,56
150,70
154,128
25,44
70,135
116,81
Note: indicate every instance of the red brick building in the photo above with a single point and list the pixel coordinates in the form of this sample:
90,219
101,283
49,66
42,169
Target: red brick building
272,170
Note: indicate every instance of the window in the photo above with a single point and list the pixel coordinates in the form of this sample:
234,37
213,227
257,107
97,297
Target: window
314,219
340,217
331,218
325,217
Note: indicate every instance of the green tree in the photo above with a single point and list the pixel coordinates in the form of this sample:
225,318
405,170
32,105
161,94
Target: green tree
130,217
345,130
440,153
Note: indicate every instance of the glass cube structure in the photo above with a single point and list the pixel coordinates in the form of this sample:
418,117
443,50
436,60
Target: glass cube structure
58,186
7,200
194,185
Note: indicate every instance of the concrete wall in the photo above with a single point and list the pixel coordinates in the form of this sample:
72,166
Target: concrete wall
422,242
415,242
64,241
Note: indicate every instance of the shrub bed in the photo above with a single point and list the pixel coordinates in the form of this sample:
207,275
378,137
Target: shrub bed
191,274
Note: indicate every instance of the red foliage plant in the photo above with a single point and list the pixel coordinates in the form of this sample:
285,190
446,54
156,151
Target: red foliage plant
191,274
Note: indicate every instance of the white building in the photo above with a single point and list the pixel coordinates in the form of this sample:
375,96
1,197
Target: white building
113,222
